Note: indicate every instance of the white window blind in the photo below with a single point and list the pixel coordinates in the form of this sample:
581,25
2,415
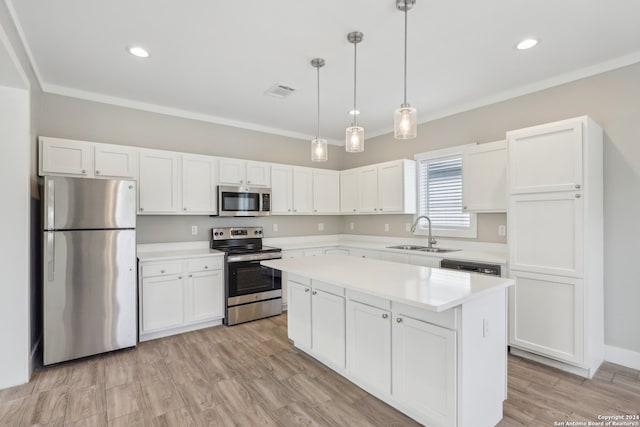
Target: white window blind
440,193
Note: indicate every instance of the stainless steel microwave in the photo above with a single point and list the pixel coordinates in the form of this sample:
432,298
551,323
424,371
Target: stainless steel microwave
244,201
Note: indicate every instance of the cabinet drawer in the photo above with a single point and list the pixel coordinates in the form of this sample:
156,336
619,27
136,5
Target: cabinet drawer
204,264
161,269
446,319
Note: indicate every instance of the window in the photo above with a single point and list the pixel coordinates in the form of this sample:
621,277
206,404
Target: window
440,194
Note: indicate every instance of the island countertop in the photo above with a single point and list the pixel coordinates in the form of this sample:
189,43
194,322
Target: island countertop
434,289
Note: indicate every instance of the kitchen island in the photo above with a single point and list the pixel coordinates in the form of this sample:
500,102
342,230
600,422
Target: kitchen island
430,342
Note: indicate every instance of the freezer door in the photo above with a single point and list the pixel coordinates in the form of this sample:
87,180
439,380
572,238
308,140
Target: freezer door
82,203
89,293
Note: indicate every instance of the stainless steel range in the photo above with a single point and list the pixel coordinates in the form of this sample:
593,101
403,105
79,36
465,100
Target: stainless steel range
252,290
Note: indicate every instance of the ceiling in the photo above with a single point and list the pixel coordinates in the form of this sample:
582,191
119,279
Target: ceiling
213,60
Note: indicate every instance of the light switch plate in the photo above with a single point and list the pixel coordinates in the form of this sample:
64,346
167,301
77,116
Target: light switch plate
502,230
320,226
351,226
274,227
386,227
194,230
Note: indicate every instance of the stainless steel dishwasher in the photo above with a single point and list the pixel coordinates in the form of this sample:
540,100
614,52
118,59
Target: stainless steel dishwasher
471,267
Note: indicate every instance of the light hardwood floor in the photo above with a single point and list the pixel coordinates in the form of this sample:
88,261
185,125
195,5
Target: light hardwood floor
251,375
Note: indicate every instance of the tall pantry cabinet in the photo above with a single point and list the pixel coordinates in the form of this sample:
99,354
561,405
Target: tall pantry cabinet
555,216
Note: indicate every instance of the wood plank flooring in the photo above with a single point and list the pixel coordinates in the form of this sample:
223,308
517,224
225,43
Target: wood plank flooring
251,375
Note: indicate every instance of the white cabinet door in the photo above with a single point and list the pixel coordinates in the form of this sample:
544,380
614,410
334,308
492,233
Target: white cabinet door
158,182
424,369
328,330
326,191
232,171
198,184
546,233
204,296
349,192
258,174
369,341
390,185
484,178
368,190
299,313
162,302
115,161
302,190
65,156
546,158
546,315
281,190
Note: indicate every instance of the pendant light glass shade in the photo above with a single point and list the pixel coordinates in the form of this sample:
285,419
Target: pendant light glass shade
319,148
405,120
405,123
354,141
354,136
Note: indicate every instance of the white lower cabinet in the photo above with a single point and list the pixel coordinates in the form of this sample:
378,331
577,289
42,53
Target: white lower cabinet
547,315
180,295
424,369
299,312
369,345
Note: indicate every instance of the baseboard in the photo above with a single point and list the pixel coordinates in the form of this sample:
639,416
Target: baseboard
622,356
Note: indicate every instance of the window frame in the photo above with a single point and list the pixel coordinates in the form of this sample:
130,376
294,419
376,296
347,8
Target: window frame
472,231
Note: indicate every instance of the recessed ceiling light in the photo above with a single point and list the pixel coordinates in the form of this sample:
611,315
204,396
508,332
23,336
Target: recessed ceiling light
526,44
354,112
138,51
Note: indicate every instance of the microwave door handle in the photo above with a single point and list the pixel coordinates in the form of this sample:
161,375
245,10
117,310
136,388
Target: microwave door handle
261,202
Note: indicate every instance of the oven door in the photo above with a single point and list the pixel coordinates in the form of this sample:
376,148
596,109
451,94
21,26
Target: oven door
251,278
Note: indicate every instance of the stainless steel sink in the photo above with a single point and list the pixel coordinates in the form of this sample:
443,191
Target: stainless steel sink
438,250
422,248
408,247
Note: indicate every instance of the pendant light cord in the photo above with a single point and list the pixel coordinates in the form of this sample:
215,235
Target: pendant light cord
318,128
355,67
405,53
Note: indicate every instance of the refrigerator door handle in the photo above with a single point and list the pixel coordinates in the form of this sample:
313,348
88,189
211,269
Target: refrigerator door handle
51,256
51,200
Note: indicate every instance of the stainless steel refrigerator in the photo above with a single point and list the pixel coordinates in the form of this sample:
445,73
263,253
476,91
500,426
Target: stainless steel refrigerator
89,269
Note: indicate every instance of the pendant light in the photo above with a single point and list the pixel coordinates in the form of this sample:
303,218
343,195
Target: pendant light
405,124
319,149
354,142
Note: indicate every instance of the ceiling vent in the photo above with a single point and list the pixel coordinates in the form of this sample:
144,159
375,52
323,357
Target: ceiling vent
280,91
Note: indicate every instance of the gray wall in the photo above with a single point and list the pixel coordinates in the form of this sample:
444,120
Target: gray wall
612,99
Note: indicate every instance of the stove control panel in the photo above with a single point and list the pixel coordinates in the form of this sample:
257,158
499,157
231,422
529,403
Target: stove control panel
228,233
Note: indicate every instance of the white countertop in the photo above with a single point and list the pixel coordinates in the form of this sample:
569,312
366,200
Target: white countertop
428,288
168,251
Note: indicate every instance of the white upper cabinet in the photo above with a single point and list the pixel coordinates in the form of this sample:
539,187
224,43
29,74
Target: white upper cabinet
326,191
546,158
302,190
65,157
158,182
386,188
281,189
242,173
349,192
484,178
199,184
115,161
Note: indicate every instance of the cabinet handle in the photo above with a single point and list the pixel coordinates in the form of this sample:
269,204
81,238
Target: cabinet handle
354,210
242,181
97,172
141,209
191,275
306,289
83,171
249,182
578,186
295,210
398,319
375,209
464,208
385,315
179,277
162,271
578,196
315,210
314,293
288,210
184,209
206,266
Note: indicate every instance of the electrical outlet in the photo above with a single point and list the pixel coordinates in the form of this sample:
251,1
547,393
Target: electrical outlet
502,230
352,226
274,227
194,230
407,227
320,226
386,227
